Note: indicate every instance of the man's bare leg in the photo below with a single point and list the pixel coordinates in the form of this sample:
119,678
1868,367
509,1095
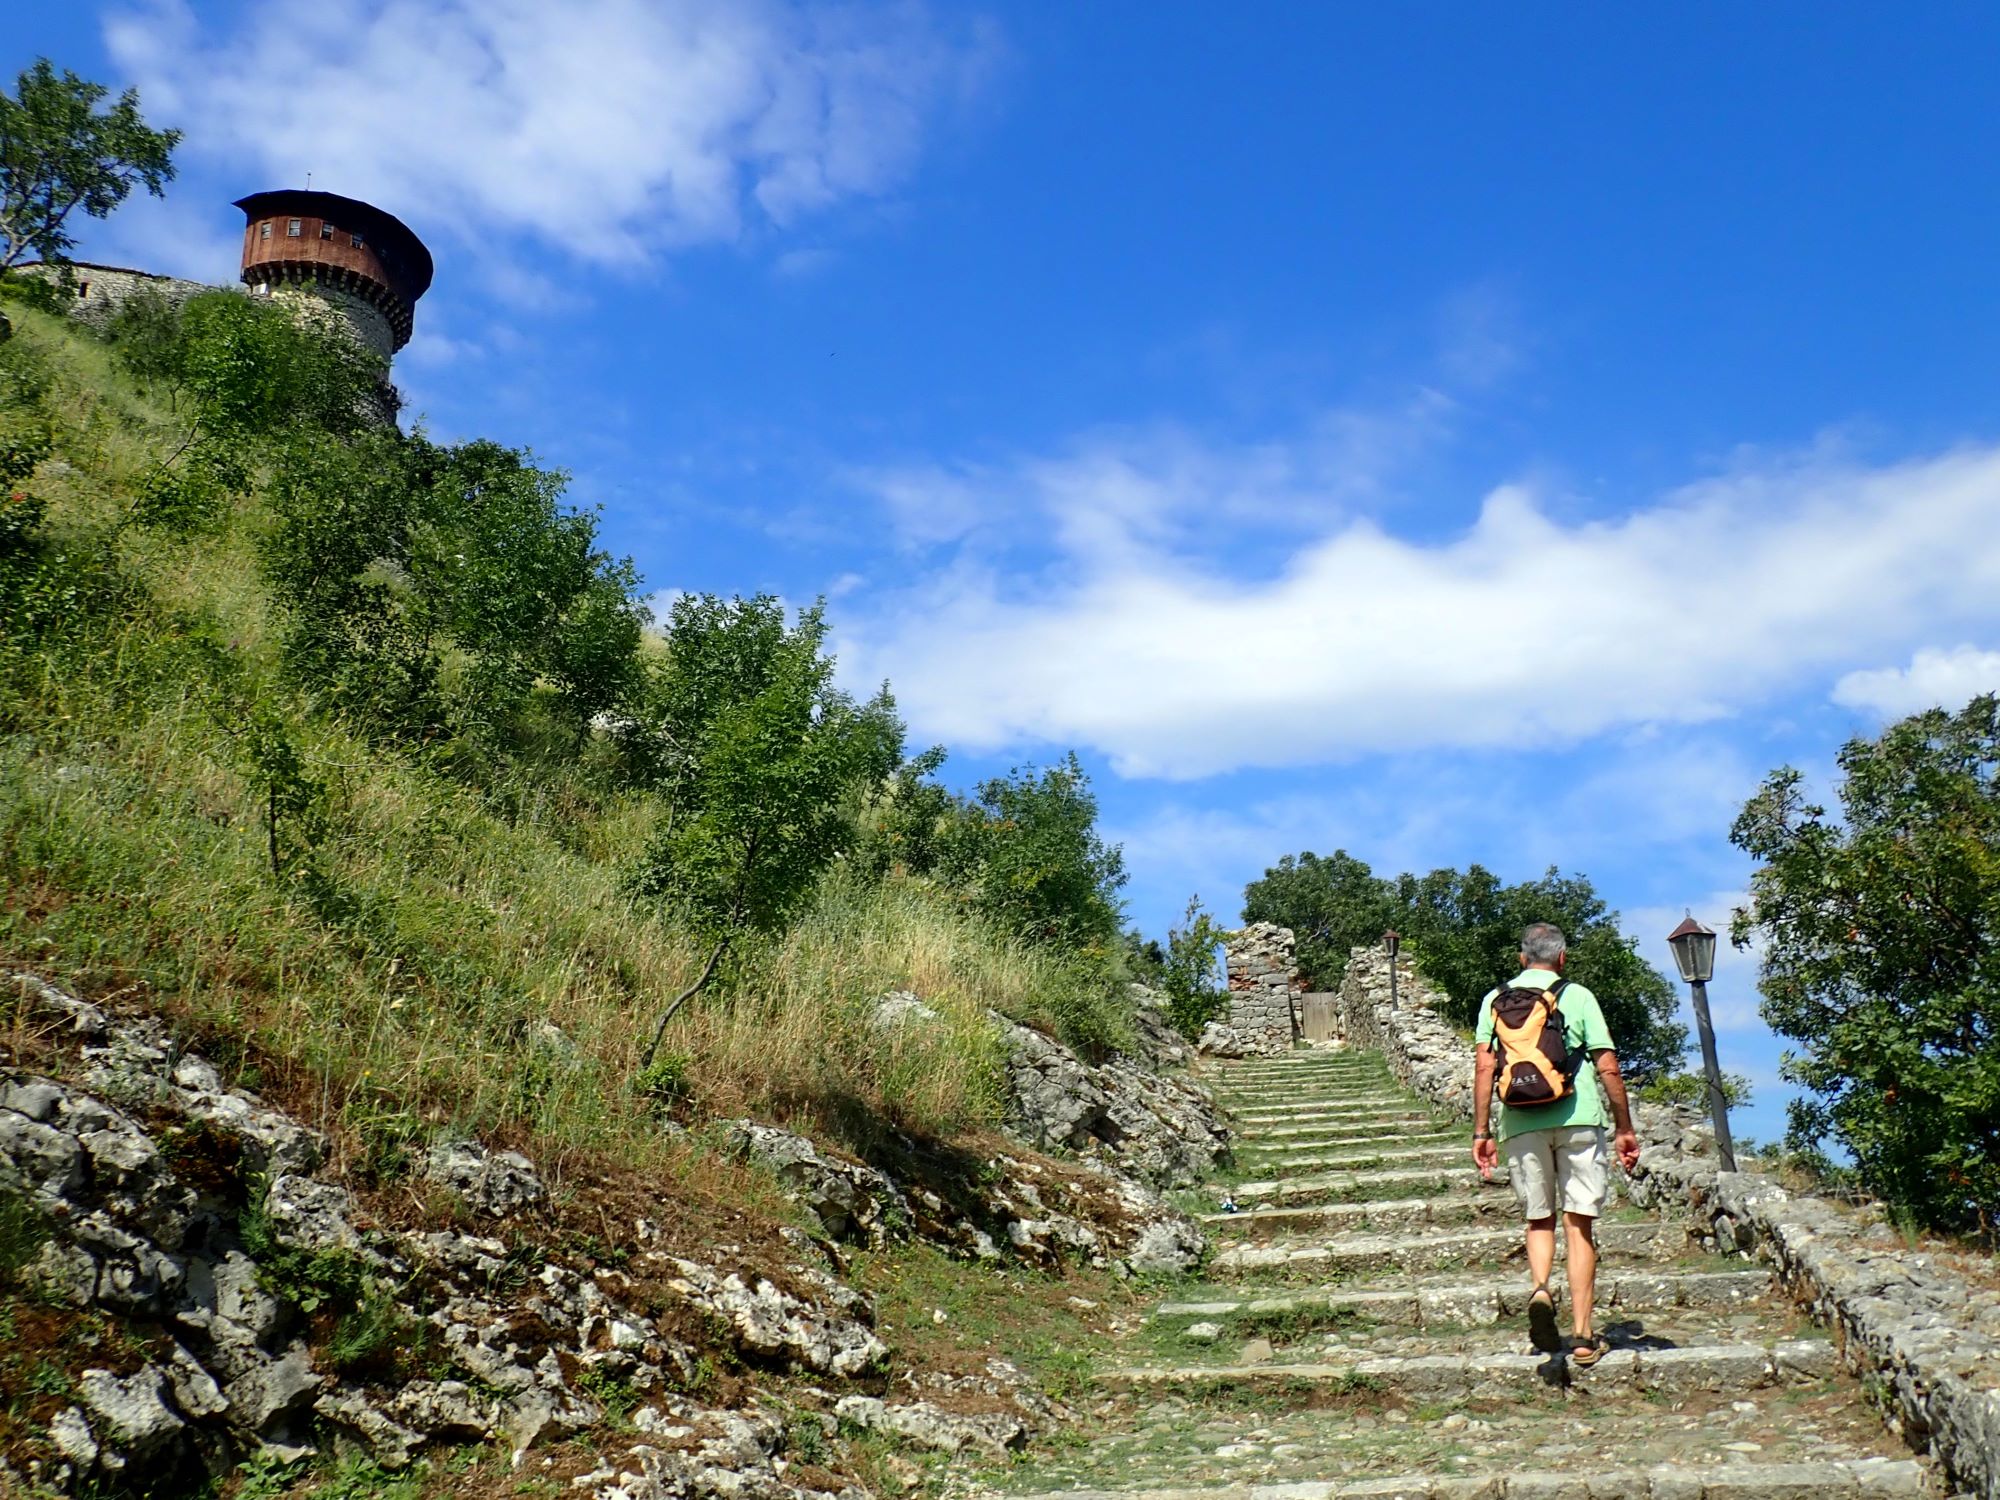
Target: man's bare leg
1541,1249
1580,1231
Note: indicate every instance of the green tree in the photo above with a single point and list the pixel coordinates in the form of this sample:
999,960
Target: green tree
60,154
1464,928
761,757
1881,933
447,595
1027,848
1332,906
1192,972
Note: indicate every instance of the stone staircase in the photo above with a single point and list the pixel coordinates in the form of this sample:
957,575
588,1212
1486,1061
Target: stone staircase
1362,1333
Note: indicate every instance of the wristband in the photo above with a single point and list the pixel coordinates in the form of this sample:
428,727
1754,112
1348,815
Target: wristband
1482,1135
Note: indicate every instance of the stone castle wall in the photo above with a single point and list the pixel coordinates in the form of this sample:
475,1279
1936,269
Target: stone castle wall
101,290
330,307
1263,987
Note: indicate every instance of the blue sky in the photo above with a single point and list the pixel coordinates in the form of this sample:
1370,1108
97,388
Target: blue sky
1445,432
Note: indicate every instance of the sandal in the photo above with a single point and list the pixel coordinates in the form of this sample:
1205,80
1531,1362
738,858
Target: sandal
1542,1320
1588,1349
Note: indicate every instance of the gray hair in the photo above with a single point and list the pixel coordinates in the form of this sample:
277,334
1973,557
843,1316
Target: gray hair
1543,942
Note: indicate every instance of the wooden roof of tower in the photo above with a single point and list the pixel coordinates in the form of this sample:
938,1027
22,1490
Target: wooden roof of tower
388,267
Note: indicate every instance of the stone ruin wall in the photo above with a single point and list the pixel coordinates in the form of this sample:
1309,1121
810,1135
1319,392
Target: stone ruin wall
101,290
1264,987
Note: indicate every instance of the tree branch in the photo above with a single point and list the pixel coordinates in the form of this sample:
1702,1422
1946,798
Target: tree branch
660,1030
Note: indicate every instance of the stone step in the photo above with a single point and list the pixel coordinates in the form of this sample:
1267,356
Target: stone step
1300,1057
1301,1099
1458,1302
1385,1153
1291,1088
1373,1125
1339,1067
1358,1137
1666,1371
1359,1107
1361,1187
1836,1479
1369,1216
1373,1254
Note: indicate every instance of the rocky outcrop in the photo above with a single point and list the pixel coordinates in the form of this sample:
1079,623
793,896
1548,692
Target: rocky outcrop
498,1184
199,1215
1138,1113
1263,987
1095,1215
850,1200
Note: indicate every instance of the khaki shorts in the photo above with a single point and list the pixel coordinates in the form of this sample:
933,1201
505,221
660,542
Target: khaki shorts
1546,1165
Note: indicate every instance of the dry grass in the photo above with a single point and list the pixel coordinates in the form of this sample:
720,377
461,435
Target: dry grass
467,962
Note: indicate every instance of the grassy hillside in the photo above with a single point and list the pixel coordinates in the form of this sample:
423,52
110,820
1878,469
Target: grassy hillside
398,931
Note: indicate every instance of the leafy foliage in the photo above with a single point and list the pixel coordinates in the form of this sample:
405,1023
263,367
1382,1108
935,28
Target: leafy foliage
1464,931
1332,905
1881,934
59,153
1192,971
1028,849
1023,853
759,754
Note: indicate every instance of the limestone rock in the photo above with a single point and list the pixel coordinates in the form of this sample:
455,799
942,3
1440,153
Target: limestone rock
132,1412
852,1201
498,1184
771,1324
1160,1127
919,1422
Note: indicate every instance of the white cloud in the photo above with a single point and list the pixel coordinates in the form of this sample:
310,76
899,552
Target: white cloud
1935,678
604,129
1145,637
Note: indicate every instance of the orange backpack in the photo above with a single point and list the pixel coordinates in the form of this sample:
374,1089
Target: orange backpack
1535,1065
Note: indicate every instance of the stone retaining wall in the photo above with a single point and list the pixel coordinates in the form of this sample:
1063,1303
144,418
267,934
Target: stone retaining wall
1925,1336
1263,988
1419,1045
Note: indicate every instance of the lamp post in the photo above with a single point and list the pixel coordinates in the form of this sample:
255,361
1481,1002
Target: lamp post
1694,953
1392,942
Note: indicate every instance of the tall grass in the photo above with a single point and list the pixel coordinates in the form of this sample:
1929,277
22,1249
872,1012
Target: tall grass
445,959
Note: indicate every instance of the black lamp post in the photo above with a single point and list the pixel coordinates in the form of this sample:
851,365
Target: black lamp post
1392,942
1694,953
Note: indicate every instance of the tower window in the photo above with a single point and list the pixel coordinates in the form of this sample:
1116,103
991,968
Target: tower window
354,240
264,230
293,227
326,231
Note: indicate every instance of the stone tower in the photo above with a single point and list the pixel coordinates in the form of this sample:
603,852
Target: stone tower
338,258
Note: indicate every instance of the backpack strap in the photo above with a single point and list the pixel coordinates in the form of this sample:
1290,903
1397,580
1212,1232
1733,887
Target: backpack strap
1558,987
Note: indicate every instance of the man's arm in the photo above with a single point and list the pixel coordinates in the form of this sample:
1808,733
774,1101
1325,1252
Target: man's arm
1626,1139
1485,1152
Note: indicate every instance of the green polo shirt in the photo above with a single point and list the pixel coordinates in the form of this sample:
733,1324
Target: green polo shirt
1584,1033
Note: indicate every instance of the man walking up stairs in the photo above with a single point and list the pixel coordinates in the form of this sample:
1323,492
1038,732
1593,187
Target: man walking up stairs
1543,1040
1360,1336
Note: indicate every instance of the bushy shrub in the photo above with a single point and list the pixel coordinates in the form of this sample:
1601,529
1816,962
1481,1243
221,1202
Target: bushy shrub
760,756
1192,972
